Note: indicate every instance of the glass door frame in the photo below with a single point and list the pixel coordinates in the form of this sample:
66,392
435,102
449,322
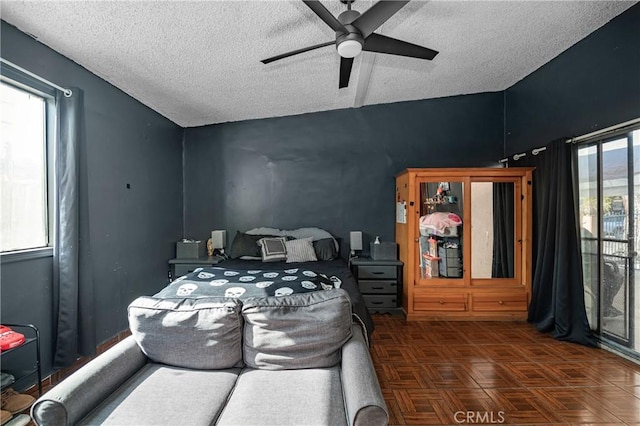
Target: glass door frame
629,284
465,215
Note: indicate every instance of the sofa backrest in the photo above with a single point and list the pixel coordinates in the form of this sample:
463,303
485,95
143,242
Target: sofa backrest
305,330
203,333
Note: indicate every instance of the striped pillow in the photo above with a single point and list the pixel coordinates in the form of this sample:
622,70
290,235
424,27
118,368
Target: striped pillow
301,250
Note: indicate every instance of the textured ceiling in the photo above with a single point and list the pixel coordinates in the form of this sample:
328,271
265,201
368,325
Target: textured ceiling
198,63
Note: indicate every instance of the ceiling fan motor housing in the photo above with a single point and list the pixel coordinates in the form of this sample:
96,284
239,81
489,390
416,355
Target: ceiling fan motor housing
349,44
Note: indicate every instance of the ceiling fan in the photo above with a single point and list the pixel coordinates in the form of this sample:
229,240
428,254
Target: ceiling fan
355,33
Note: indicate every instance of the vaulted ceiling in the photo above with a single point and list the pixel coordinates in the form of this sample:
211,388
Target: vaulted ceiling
198,62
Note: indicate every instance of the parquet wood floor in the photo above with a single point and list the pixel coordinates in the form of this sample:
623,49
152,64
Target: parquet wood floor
440,372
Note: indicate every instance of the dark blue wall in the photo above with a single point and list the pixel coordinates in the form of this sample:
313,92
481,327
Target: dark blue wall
331,169
132,231
593,85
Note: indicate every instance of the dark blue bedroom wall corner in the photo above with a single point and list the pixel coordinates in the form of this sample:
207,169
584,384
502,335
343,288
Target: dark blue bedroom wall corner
134,178
136,216
592,85
333,169
26,295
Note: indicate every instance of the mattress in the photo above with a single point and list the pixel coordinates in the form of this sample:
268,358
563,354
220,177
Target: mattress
337,271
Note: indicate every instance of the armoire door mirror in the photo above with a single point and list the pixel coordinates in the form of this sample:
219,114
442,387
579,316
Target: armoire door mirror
440,227
492,230
441,197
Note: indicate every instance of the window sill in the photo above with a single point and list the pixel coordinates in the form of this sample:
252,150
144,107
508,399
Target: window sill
19,256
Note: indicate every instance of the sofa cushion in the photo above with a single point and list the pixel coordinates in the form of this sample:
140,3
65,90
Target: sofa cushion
163,395
286,398
204,333
303,330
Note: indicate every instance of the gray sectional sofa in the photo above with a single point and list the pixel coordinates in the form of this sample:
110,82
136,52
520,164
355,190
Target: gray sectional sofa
292,360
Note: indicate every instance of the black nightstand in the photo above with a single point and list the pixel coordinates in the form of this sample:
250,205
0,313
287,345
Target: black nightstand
380,282
181,266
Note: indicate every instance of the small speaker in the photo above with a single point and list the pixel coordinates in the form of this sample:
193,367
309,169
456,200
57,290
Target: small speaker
219,239
355,240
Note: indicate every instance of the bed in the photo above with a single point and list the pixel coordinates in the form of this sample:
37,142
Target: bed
245,274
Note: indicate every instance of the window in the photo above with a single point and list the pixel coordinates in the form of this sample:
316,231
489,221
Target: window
609,202
24,183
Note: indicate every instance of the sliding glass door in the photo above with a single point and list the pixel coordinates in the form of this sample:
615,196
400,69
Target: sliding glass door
609,197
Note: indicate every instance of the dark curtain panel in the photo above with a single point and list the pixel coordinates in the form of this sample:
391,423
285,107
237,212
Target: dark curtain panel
557,300
73,283
503,225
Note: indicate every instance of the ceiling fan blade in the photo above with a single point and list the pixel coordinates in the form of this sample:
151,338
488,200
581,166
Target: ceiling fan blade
377,15
325,15
383,44
295,52
345,71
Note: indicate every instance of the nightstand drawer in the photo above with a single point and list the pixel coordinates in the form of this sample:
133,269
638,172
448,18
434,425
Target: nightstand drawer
184,269
180,267
381,301
381,286
377,272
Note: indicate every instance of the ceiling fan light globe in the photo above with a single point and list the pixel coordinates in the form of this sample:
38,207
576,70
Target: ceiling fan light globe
349,48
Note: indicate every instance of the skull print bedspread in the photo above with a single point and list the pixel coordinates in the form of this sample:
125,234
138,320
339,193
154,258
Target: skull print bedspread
244,283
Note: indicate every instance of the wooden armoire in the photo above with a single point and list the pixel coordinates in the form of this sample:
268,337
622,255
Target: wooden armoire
464,236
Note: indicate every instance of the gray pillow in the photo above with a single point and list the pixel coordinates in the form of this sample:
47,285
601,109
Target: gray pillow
204,333
303,330
273,249
245,245
325,249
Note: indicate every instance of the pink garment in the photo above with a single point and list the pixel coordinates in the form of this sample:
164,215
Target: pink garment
441,220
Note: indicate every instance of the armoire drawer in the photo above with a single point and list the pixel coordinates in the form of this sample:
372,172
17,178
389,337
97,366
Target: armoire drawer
446,302
485,302
380,286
